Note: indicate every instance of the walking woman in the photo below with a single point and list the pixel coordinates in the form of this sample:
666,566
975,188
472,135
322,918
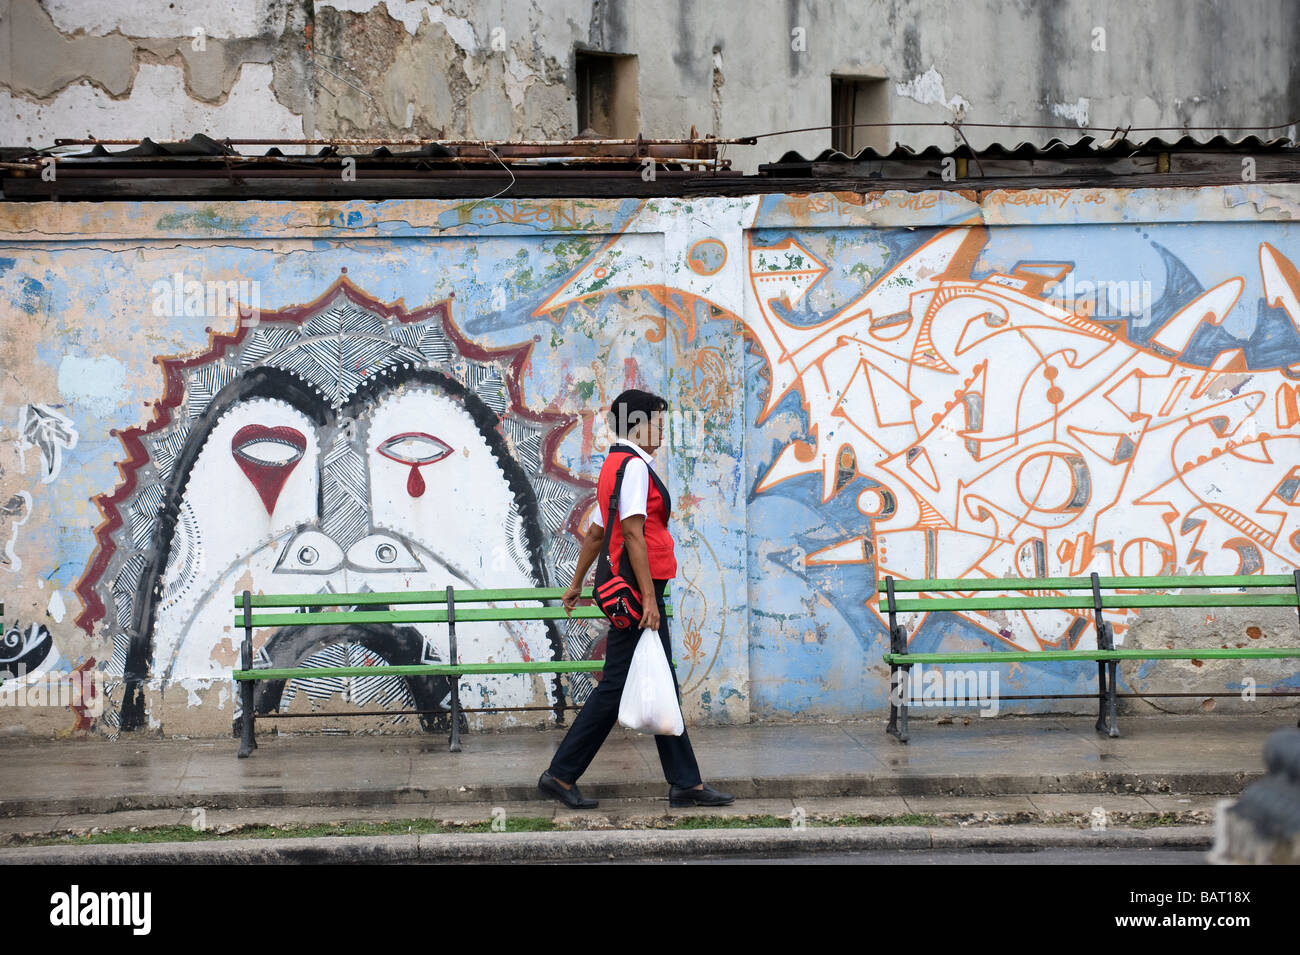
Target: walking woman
639,540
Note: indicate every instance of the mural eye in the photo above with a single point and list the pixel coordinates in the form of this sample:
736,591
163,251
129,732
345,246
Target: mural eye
265,451
309,552
414,448
267,456
382,552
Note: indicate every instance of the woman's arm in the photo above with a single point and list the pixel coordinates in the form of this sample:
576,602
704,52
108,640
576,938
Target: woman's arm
637,552
591,545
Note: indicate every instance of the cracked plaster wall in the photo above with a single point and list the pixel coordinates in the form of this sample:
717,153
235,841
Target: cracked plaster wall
503,69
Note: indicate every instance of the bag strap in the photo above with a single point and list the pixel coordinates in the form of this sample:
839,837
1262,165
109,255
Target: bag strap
611,508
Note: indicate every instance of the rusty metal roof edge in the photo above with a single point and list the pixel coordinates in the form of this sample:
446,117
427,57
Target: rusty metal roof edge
1085,146
202,146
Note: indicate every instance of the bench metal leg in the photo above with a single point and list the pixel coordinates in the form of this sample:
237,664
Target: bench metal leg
455,714
1106,669
892,728
1112,666
899,678
1106,719
247,739
1110,699
1101,696
902,709
559,701
455,660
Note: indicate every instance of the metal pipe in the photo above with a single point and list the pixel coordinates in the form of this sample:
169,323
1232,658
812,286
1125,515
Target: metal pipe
70,171
481,143
335,162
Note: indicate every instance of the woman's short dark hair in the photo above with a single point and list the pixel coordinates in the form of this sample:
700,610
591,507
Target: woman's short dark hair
633,407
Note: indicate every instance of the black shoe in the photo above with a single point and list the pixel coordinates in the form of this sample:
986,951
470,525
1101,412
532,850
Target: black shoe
708,796
570,797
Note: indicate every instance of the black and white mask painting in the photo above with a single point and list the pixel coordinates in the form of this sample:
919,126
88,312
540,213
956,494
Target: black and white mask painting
342,450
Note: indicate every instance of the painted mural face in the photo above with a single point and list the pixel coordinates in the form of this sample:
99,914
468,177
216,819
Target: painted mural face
417,475
405,496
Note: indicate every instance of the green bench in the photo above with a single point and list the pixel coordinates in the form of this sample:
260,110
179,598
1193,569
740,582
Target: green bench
1139,592
439,607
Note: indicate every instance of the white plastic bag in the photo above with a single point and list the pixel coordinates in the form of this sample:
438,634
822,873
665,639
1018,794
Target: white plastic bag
649,703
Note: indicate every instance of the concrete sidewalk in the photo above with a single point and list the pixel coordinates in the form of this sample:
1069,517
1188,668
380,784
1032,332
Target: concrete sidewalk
1191,755
1017,782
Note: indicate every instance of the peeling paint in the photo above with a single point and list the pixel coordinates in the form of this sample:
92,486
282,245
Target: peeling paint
927,89
289,69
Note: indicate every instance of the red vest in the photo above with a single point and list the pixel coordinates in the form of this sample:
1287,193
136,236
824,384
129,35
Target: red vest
659,543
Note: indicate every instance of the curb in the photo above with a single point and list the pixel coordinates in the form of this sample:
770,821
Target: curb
605,845
835,785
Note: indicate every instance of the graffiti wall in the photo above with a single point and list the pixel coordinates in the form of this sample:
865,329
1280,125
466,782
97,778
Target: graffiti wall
373,397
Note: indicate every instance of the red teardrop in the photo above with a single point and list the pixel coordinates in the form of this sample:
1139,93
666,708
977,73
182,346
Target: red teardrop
415,483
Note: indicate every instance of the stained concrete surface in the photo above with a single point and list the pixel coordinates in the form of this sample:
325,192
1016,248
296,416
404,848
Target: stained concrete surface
1158,758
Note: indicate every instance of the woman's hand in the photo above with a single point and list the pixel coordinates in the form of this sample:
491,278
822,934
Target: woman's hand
591,544
634,538
649,611
570,598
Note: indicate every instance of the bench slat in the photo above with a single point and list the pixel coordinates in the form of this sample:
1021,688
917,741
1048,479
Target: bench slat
404,597
1108,601
466,615
393,598
964,585
1049,656
424,669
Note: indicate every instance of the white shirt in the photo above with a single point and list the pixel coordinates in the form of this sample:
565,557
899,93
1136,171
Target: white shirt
635,492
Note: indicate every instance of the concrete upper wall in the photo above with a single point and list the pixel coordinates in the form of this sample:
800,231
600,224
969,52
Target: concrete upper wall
202,398
504,69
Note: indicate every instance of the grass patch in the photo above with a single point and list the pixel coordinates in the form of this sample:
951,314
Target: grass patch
513,824
785,822
907,819
397,827
730,822
1151,822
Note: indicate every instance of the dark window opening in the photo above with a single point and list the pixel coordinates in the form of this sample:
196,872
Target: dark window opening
856,99
606,88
